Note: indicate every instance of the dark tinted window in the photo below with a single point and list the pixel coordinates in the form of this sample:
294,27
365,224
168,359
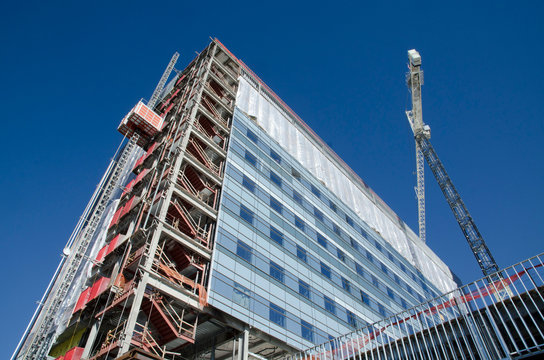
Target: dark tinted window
248,184
251,136
250,158
243,250
246,214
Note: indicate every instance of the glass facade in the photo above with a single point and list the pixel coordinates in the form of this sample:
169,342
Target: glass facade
293,260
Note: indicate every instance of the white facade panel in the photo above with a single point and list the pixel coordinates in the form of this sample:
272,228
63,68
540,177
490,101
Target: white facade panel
318,159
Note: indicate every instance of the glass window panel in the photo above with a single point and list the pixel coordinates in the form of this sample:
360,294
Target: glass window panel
369,256
250,158
391,257
353,243
330,305
275,156
246,214
381,310
375,281
277,315
321,240
318,214
252,136
275,178
364,298
276,205
276,235
307,330
241,295
325,270
341,255
301,254
304,289
243,250
390,293
297,197
315,191
277,272
346,284
352,318
359,269
248,184
299,223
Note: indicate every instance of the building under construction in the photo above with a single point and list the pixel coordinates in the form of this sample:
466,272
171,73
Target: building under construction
225,227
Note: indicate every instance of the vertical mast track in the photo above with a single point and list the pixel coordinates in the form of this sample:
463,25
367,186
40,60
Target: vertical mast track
42,337
415,117
41,341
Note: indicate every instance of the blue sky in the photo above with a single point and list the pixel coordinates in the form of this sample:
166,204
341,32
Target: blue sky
71,70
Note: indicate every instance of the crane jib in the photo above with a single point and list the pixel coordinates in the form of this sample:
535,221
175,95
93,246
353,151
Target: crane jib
465,221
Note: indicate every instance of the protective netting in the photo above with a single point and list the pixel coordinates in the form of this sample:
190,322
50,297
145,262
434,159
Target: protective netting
314,155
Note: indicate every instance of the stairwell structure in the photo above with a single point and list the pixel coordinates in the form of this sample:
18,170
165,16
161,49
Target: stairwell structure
150,288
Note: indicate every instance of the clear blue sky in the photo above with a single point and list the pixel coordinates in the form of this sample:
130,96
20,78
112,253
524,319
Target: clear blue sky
71,70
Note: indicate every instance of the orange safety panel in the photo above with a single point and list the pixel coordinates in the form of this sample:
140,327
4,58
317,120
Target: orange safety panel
127,207
128,188
102,253
116,217
113,244
141,176
99,287
82,300
74,354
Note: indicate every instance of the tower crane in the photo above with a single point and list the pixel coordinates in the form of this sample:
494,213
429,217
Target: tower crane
424,149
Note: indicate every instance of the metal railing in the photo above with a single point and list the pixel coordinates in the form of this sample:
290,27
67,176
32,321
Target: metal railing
500,319
209,107
200,232
208,161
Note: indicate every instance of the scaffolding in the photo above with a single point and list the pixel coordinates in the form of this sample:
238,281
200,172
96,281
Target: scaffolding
150,289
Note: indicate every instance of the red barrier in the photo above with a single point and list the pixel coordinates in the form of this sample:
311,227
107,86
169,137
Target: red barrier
99,287
82,300
74,354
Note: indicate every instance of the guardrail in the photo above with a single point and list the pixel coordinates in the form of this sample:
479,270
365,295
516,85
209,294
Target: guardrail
486,319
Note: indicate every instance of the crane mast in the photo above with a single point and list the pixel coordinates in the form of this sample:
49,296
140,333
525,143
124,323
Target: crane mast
165,75
422,134
415,118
